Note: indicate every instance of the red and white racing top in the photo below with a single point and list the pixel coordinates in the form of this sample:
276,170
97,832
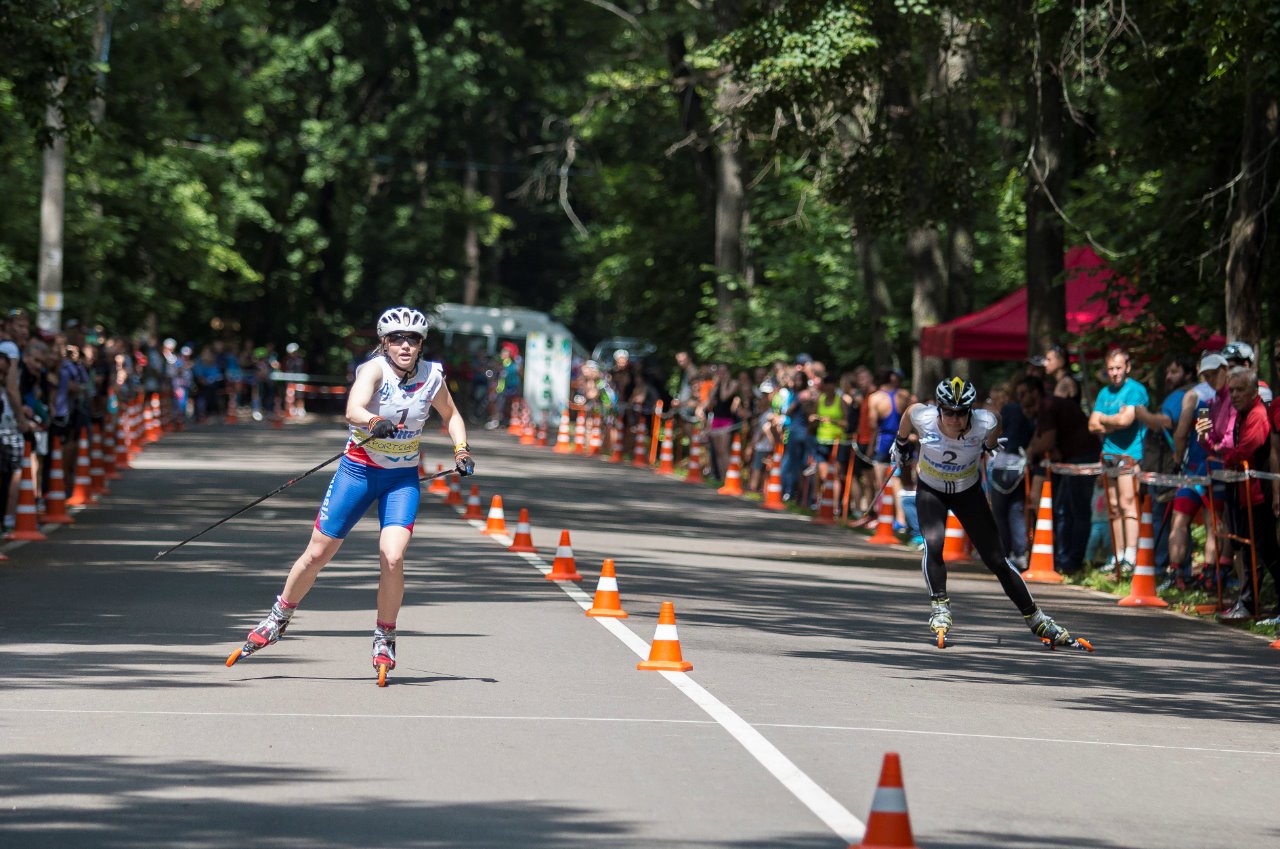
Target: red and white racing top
406,405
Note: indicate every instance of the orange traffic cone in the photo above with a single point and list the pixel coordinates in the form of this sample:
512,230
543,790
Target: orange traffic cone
580,433
25,525
733,477
640,454
695,457
439,486
606,602
55,499
154,428
773,488
595,439
97,472
513,426
564,568
524,539
884,534
664,652
1040,569
563,445
473,505
122,439
667,456
889,825
496,524
1142,592
82,494
827,502
528,436
109,450
542,433
615,440
955,545
455,491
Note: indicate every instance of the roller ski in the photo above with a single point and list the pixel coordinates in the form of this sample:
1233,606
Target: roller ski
384,652
1054,635
940,620
269,631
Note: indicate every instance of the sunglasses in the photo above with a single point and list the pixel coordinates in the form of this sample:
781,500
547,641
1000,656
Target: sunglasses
949,413
402,338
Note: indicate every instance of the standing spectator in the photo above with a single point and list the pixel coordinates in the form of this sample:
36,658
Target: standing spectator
1159,451
1241,354
209,382
1249,503
797,412
831,411
723,395
1115,420
1007,479
1189,501
1062,435
1057,368
11,446
883,418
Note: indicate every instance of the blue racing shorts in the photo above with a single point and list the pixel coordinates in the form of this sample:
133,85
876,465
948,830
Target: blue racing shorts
355,486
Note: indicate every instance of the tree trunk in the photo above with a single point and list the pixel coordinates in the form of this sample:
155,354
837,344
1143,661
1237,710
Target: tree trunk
928,301
52,215
1046,181
471,238
879,305
731,204
1244,295
98,112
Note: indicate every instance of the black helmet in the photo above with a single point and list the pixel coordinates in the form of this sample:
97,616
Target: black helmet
956,393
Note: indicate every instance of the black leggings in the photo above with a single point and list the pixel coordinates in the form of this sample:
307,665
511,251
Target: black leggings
970,507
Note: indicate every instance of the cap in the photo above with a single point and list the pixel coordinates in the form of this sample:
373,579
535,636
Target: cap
622,354
171,342
1238,351
1209,362
803,359
291,348
1037,360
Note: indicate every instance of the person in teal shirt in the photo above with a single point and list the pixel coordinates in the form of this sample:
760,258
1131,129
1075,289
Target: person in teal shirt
1114,418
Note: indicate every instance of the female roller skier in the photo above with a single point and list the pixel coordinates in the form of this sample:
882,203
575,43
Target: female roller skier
951,439
387,408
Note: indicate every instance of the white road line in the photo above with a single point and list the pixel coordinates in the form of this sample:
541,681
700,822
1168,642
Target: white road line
637,720
848,827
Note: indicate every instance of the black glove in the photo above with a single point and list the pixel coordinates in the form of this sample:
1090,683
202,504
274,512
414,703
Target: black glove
902,452
462,462
380,428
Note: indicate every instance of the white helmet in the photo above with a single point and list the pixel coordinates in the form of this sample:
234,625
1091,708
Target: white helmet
403,319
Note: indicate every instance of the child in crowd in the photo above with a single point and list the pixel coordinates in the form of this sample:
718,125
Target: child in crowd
1098,549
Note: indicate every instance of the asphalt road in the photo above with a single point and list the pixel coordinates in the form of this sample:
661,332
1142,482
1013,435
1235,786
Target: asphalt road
515,720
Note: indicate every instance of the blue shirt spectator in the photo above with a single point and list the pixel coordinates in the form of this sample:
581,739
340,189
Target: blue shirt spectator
1126,440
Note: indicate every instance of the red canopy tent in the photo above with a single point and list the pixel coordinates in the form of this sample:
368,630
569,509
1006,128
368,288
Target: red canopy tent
999,332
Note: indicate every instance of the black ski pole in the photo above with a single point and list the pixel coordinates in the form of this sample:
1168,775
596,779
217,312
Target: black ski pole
247,507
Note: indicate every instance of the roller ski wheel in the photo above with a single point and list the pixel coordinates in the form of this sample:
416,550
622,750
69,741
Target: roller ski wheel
236,655
382,675
942,639
1076,643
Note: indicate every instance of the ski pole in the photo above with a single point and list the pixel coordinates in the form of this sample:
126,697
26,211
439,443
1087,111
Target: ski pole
275,491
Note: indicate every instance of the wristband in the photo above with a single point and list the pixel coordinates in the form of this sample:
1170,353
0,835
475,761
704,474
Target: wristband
461,446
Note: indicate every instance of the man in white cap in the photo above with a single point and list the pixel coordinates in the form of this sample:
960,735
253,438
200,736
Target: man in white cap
1241,354
1190,456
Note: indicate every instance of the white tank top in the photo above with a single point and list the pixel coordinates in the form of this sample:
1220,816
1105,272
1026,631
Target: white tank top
404,405
950,465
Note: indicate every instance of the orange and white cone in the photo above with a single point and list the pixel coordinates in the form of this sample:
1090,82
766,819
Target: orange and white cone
542,433
109,449
496,523
664,651
889,824
615,439
1142,593
439,486
695,457
640,452
473,510
564,568
773,488
733,477
606,602
580,433
667,455
955,545
523,540
884,534
154,426
122,439
97,472
528,436
827,501
25,525
55,500
1040,569
563,445
595,439
455,491
82,494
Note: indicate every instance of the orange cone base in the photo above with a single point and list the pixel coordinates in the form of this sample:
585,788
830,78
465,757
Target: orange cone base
1143,601
64,519
554,575
1276,644
607,612
1042,576
27,536
522,548
665,665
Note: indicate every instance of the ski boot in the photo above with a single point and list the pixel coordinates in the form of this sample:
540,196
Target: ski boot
940,620
269,630
1052,634
384,652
